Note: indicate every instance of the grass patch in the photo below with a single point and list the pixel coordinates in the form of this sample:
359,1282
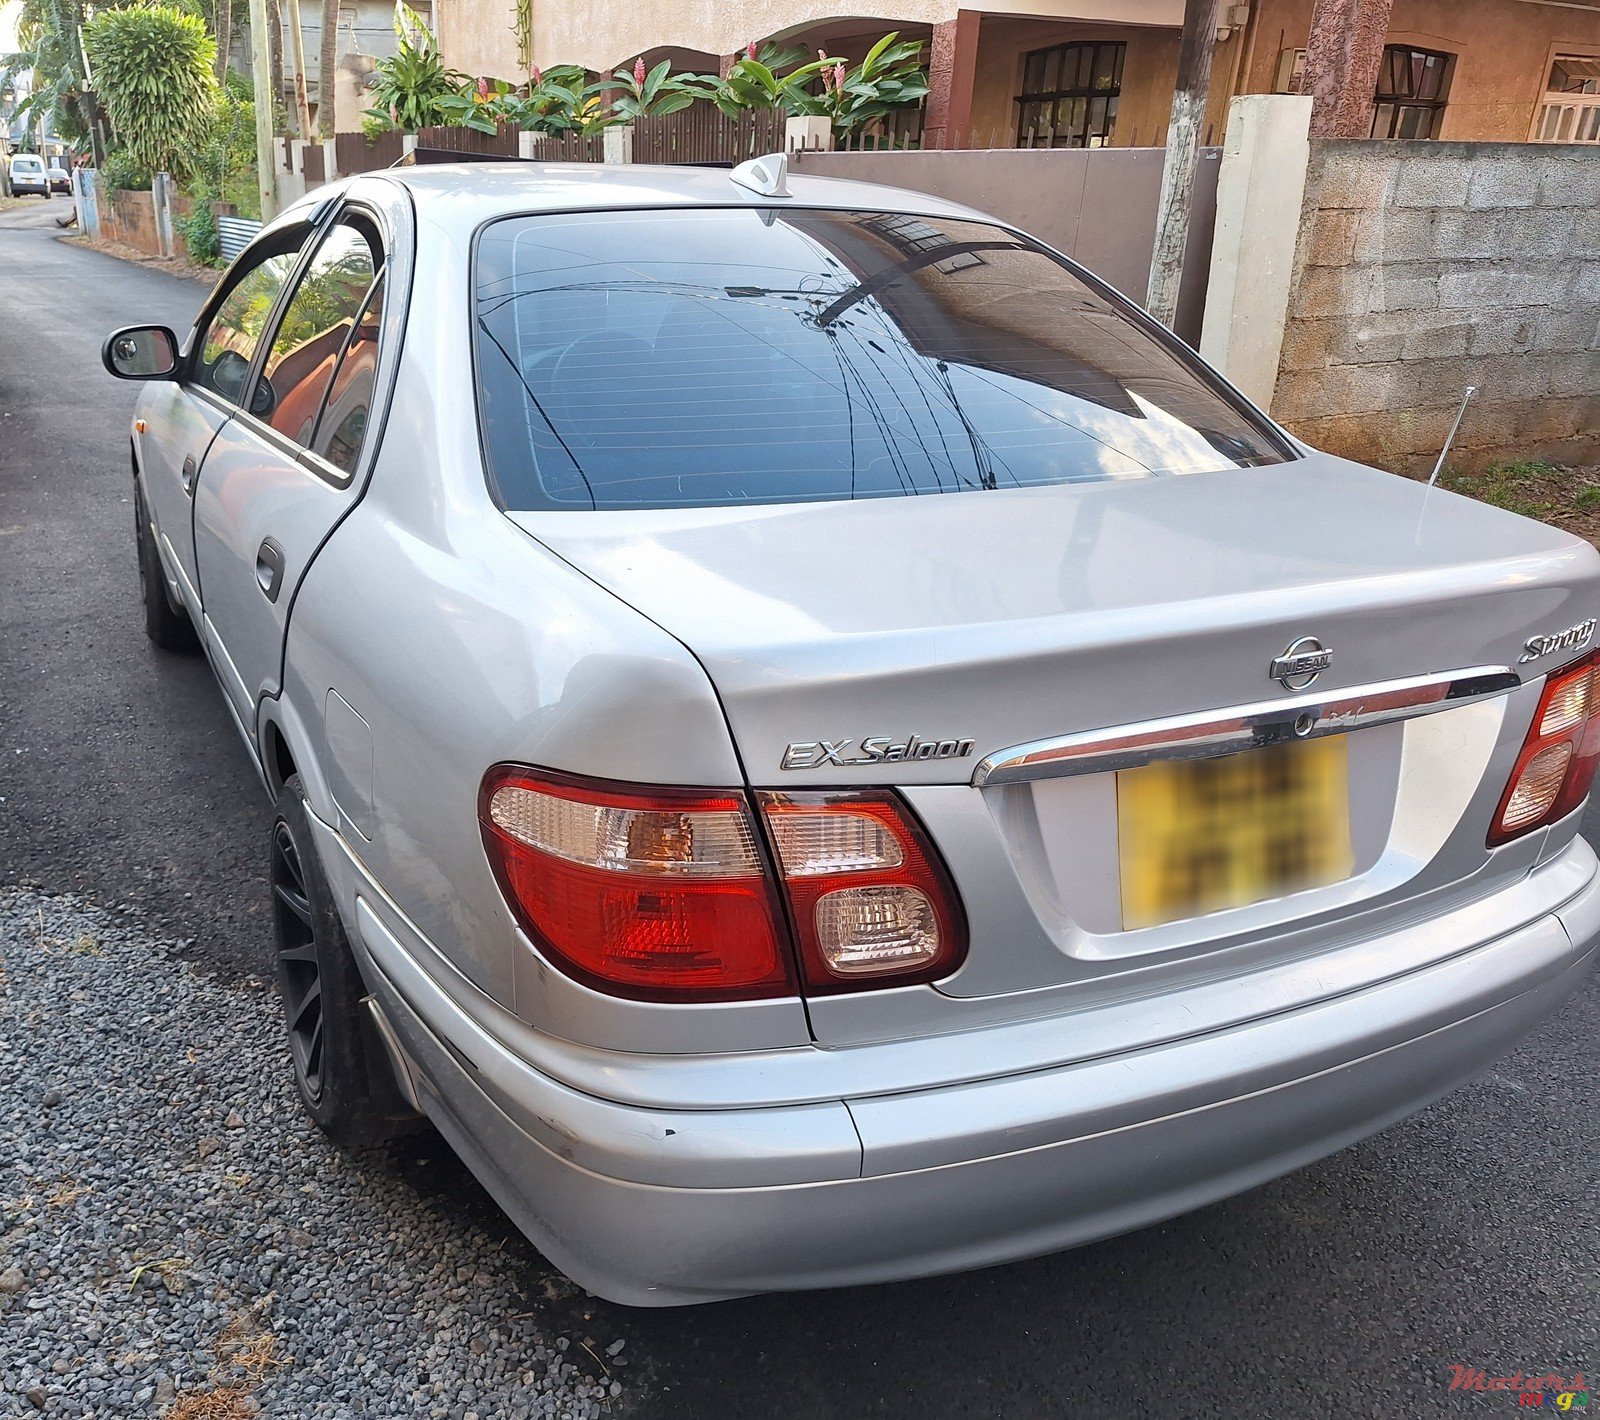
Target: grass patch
1564,497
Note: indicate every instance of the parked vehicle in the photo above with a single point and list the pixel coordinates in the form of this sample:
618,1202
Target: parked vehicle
817,744
28,175
60,178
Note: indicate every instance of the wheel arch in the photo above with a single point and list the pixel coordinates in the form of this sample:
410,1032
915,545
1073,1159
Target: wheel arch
286,747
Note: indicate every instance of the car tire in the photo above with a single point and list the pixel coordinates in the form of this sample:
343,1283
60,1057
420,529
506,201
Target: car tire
166,625
341,1069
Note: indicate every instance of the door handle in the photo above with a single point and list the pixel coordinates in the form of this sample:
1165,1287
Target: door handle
269,568
188,474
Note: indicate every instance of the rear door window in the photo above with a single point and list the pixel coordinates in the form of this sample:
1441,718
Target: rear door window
711,356
342,427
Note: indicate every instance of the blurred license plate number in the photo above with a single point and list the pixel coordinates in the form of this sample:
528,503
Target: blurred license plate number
1201,835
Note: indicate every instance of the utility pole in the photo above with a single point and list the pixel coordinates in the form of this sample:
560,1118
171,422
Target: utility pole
302,104
1183,149
1343,57
261,80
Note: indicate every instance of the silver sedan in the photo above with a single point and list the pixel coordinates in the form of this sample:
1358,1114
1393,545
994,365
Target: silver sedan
817,744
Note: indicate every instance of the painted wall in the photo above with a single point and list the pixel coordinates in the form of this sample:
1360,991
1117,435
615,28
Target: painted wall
1149,70
479,35
1098,206
1422,268
1503,49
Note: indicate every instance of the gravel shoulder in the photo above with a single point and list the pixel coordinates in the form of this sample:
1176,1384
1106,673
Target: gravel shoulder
176,1239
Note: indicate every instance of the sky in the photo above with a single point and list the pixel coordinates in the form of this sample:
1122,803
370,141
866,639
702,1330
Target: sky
8,26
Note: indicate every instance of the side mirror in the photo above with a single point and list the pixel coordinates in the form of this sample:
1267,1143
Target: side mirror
263,398
141,352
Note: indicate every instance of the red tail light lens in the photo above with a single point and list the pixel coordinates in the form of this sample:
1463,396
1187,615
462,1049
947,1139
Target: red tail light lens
658,894
1558,759
870,901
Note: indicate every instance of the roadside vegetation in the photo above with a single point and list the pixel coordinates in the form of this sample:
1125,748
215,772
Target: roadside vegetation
415,89
1566,497
165,99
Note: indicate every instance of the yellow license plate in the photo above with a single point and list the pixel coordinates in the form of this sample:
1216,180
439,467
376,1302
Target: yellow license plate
1196,836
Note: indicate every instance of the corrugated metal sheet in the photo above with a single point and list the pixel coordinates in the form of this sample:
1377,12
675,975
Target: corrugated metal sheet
234,234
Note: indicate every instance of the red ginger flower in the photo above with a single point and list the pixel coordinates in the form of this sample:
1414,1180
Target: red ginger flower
638,72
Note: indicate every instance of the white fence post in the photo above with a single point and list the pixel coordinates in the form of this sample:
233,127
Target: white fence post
330,160
810,134
617,143
527,142
161,201
1260,192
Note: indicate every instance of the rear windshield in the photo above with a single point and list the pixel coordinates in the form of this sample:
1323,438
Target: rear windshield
705,357
27,165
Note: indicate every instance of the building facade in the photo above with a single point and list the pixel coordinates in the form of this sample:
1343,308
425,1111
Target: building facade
1092,73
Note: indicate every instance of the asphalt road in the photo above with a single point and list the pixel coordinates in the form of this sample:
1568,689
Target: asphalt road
1466,1235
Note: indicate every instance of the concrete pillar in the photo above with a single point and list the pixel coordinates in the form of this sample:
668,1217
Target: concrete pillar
161,202
1260,191
1343,56
292,180
812,133
617,143
330,159
85,195
952,66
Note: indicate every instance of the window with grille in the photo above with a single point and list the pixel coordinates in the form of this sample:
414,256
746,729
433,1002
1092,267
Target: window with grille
1570,110
1412,87
1069,95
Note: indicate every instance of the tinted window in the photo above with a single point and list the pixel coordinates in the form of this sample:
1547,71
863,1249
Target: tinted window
225,353
636,359
343,425
316,325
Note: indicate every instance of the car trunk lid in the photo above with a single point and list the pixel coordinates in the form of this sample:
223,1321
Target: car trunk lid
841,637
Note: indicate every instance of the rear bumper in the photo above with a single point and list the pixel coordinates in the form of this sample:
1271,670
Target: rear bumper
669,1206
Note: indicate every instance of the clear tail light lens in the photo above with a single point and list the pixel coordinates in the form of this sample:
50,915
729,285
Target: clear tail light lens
658,894
870,901
1557,764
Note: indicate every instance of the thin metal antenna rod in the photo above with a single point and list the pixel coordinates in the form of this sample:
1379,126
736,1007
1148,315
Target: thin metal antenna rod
1450,438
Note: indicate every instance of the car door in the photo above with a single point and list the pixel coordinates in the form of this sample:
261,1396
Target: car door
280,474
181,418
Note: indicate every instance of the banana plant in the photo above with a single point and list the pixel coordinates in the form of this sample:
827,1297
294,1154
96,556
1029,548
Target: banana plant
647,95
559,100
413,81
482,107
763,78
890,77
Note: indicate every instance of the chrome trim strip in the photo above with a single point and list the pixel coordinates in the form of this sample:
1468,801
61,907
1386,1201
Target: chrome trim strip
1217,732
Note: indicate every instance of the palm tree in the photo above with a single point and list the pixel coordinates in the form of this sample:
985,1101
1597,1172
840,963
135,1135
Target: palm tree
48,30
327,65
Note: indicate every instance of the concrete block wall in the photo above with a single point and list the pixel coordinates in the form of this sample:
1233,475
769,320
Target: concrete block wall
130,218
1421,268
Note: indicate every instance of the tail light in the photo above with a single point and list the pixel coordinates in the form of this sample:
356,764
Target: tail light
870,901
665,894
1558,759
660,895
